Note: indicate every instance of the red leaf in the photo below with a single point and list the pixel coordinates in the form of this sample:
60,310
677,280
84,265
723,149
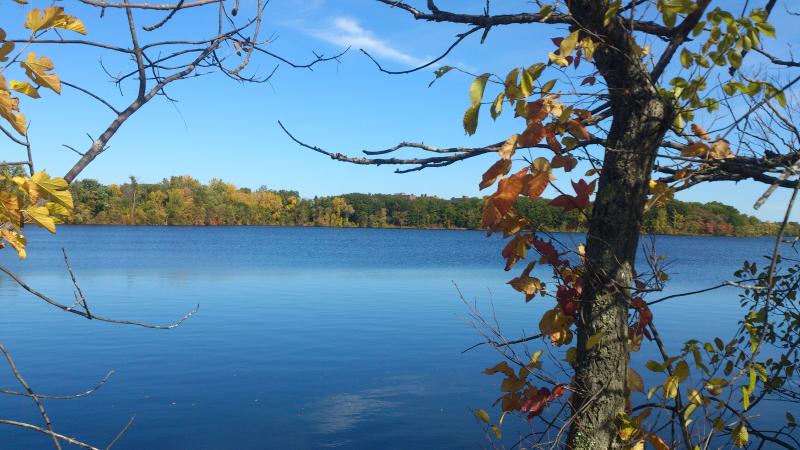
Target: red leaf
588,80
579,201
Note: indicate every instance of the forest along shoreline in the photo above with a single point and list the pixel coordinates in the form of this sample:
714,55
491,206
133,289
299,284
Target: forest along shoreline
185,201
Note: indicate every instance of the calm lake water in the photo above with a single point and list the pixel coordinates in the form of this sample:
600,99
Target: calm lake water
306,337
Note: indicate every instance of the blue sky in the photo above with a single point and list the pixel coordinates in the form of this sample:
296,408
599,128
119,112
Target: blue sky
223,129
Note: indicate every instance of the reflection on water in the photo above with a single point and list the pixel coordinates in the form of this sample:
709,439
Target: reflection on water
306,338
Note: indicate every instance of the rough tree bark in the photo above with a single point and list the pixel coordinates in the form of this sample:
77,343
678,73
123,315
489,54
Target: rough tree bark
640,119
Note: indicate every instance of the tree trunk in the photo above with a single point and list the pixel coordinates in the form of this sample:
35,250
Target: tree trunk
640,119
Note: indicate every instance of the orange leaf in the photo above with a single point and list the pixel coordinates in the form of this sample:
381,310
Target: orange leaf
537,180
577,129
565,161
550,136
491,215
497,170
508,190
720,150
700,132
536,112
698,149
532,135
516,249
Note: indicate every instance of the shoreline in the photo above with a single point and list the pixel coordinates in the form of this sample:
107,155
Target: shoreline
67,225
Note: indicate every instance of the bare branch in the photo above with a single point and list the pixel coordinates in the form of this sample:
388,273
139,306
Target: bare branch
69,309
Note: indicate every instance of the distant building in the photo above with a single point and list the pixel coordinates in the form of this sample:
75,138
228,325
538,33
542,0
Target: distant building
407,196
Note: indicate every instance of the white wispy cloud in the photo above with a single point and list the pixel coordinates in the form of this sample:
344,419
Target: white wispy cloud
347,32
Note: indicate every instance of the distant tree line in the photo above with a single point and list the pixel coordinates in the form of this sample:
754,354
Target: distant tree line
183,200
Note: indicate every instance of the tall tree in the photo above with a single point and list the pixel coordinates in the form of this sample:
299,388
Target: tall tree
648,70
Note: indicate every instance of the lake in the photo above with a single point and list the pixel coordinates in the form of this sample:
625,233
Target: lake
306,338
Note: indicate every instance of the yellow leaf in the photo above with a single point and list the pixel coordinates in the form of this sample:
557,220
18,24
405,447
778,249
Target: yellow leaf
639,445
526,285
740,435
8,106
5,48
41,216
476,89
53,17
695,397
509,147
698,149
16,240
558,59
9,209
482,414
36,69
720,150
38,20
71,23
56,190
671,386
568,44
24,87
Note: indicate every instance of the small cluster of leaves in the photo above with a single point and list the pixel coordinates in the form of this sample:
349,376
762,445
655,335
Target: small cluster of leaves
726,39
38,199
38,69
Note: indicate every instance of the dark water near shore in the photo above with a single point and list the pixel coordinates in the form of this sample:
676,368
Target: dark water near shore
306,337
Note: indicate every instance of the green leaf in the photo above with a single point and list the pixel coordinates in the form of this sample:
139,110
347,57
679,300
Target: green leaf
686,58
682,371
611,12
471,119
527,84
740,435
482,414
745,398
766,29
547,87
497,106
476,89
439,73
781,98
735,58
593,340
654,366
671,386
